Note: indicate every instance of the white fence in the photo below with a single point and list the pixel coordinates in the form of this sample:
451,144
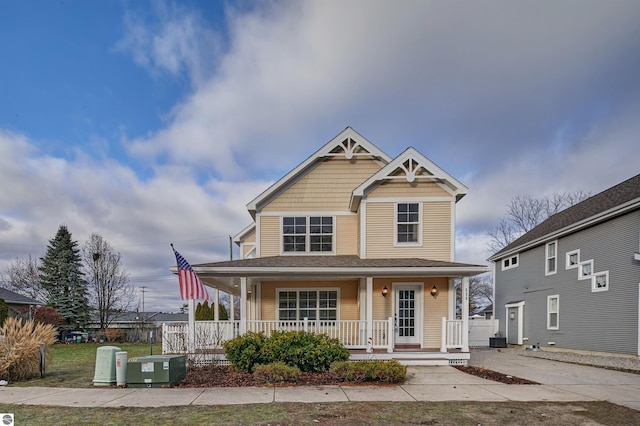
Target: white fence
210,335
480,330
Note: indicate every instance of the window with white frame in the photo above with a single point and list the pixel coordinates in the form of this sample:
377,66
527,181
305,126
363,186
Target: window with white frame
510,262
573,259
553,309
551,258
307,234
585,269
311,304
600,281
407,223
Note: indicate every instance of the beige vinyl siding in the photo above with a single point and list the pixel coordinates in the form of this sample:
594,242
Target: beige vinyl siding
436,232
250,238
246,248
348,296
434,309
269,236
402,188
327,187
346,234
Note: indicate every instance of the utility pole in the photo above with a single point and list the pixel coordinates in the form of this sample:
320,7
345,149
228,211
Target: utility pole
230,247
143,289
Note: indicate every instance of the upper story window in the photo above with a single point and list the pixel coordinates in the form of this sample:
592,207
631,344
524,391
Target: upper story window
585,269
307,234
600,281
573,259
553,309
510,262
551,257
408,223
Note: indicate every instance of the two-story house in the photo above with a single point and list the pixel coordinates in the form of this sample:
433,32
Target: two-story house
358,245
573,281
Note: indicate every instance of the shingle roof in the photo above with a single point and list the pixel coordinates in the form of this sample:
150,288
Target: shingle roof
333,262
610,199
18,299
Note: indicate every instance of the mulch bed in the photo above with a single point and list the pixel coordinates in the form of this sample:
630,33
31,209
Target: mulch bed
224,376
495,376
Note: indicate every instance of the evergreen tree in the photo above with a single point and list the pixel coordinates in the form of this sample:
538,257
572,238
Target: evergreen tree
222,312
4,311
61,276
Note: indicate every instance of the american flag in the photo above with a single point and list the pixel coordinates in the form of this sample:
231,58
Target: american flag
190,285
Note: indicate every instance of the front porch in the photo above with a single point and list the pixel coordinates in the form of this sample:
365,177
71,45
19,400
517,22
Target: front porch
366,340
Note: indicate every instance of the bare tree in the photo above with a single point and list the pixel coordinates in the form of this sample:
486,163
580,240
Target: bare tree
525,212
110,292
22,276
480,293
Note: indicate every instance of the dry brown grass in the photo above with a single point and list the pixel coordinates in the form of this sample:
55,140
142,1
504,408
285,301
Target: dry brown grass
20,348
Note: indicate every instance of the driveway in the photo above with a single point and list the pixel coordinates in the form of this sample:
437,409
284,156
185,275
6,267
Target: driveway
598,383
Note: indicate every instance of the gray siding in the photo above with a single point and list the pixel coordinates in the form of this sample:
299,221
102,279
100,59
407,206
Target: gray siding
599,321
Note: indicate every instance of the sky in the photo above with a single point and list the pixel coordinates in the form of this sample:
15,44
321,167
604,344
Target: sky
156,122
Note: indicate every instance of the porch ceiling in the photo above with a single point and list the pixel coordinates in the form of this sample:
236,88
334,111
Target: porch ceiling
226,275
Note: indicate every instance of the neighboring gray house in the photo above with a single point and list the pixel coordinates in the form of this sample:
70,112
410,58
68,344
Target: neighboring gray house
19,305
573,282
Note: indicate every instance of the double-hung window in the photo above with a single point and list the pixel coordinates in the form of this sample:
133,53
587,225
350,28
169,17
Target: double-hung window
296,305
551,257
408,223
302,234
553,309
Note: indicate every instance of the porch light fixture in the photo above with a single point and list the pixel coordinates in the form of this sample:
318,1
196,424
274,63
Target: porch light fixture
434,291
385,290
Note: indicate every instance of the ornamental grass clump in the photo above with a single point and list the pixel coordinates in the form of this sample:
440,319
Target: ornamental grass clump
20,348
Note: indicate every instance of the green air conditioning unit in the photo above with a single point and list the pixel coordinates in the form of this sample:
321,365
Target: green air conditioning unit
156,371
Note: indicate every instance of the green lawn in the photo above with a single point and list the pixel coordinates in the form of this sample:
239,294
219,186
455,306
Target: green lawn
73,365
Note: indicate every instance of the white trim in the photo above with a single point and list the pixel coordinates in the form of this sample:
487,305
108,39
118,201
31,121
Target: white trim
594,281
638,319
410,200
520,307
258,231
419,300
567,264
511,264
417,243
547,258
363,230
316,289
324,151
307,213
580,265
452,242
242,234
434,173
277,271
557,312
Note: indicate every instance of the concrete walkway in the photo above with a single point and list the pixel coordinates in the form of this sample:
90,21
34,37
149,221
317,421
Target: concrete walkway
560,382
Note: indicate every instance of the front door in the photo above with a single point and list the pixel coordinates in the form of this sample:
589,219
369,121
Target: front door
408,313
514,322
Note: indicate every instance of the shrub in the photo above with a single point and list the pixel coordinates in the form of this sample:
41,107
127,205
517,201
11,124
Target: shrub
307,351
244,352
276,372
114,334
20,348
368,371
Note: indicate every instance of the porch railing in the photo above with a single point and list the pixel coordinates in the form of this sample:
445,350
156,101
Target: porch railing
210,335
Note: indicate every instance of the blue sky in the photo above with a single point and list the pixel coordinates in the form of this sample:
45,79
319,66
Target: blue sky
156,122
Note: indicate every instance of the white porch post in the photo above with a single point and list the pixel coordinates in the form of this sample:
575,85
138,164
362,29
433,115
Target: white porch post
232,307
216,310
243,305
465,314
191,338
443,344
369,313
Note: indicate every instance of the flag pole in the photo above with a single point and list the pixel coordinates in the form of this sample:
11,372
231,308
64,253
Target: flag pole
191,328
